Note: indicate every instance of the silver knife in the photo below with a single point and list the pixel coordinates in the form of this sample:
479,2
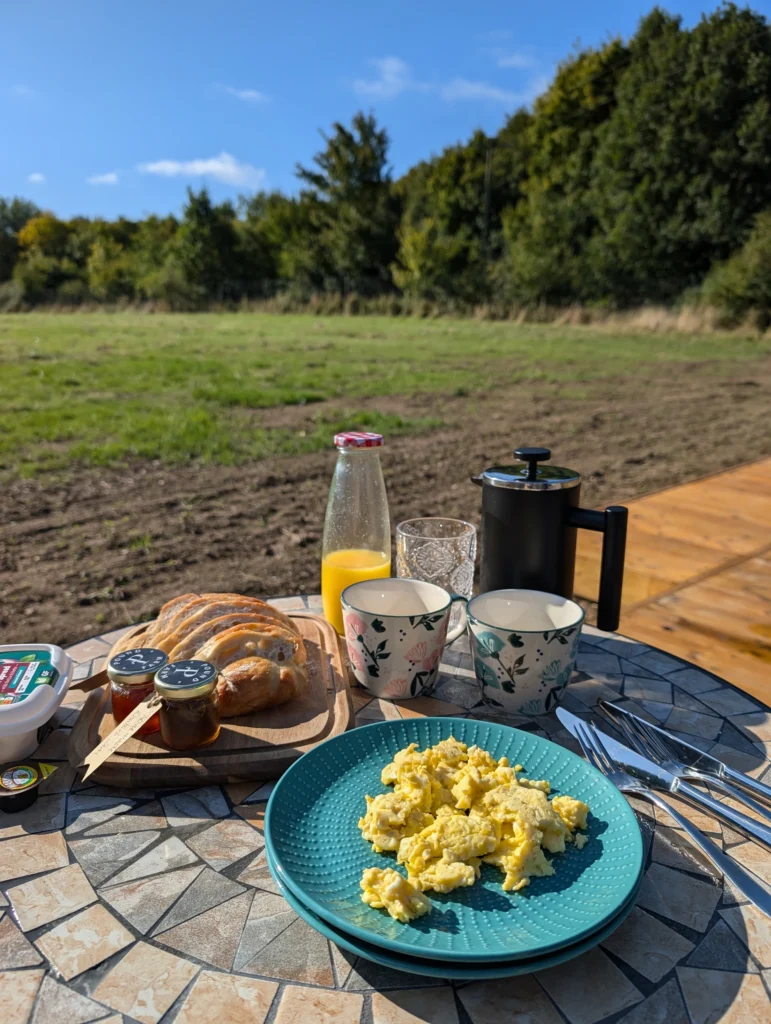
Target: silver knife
691,762
656,776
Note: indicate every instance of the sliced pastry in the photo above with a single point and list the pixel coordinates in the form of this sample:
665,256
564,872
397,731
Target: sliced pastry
259,667
199,612
209,628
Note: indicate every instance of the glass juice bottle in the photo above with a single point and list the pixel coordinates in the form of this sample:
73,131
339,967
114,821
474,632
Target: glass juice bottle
357,529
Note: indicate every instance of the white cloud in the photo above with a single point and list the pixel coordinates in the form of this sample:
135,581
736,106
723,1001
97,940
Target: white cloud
536,87
394,78
224,168
111,178
521,61
463,89
247,95
22,90
36,178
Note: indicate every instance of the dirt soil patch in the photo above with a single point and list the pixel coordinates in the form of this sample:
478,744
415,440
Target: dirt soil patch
105,548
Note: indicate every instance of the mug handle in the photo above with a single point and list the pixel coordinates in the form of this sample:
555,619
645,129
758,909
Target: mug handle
453,634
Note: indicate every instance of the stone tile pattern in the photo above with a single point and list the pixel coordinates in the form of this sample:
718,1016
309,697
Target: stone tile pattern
190,920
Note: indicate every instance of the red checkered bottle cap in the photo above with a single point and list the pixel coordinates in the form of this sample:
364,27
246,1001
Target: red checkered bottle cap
357,439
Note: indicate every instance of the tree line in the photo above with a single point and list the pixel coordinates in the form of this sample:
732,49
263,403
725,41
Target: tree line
642,174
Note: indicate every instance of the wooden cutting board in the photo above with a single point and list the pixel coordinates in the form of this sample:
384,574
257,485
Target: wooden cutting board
260,745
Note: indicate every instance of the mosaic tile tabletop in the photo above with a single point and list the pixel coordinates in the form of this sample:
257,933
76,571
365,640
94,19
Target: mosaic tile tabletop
135,905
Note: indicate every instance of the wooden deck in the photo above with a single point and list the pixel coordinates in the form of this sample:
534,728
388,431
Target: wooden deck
698,574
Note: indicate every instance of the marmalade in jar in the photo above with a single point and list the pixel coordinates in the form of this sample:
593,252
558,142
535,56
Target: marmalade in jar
131,675
189,713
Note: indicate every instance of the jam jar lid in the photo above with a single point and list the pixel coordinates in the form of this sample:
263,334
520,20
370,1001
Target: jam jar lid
183,680
137,666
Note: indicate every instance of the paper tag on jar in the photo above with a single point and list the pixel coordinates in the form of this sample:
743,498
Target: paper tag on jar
141,714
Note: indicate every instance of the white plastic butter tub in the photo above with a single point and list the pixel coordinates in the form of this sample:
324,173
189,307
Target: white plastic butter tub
33,681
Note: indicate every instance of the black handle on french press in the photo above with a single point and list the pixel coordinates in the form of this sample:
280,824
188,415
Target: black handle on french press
612,524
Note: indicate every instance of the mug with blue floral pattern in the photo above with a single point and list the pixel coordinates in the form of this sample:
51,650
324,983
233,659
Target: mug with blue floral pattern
524,645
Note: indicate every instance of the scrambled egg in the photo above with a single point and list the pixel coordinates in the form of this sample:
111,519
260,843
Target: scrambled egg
386,888
453,807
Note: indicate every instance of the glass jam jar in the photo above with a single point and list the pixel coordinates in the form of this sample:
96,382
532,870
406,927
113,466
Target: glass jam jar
189,712
131,675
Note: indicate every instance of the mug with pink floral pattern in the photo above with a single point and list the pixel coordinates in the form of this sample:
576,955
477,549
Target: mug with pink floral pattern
396,630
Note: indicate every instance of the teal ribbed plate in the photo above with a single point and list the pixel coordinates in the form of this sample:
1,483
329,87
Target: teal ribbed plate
457,972
319,854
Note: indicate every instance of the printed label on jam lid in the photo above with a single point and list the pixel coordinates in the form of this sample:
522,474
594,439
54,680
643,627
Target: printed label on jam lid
16,777
186,673
139,661
21,672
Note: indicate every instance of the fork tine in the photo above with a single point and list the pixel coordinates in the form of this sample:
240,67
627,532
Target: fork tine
655,741
636,740
649,743
599,746
586,745
629,734
605,763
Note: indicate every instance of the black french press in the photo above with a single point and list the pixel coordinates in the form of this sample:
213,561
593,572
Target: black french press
530,515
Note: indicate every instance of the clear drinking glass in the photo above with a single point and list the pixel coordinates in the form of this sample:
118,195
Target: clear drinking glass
439,551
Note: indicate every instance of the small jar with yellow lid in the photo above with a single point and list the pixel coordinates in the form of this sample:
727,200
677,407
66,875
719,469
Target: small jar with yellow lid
131,675
189,712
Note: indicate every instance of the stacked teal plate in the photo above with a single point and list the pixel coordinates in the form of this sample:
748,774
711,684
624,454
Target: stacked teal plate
452,972
317,854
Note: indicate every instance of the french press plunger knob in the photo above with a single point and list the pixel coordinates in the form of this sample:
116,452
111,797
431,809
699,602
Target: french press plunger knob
532,456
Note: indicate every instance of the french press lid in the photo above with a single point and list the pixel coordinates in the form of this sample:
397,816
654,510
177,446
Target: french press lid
529,476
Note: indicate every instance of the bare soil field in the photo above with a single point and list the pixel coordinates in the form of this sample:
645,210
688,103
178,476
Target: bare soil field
98,548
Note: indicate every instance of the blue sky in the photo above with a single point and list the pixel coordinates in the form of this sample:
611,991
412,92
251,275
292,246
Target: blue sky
114,107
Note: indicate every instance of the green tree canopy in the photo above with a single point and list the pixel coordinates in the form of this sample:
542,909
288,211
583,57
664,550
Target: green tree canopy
14,214
351,210
743,283
453,208
547,232
683,166
45,234
272,224
205,248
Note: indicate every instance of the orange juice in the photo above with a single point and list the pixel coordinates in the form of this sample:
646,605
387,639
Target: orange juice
339,569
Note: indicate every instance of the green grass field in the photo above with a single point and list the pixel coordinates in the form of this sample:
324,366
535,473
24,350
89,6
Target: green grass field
98,389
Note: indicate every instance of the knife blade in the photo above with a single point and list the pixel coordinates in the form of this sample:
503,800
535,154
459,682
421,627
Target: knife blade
659,778
694,757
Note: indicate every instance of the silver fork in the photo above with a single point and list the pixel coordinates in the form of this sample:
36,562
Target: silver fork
599,758
756,830
646,742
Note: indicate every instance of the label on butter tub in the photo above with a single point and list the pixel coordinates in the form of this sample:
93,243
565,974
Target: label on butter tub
21,672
